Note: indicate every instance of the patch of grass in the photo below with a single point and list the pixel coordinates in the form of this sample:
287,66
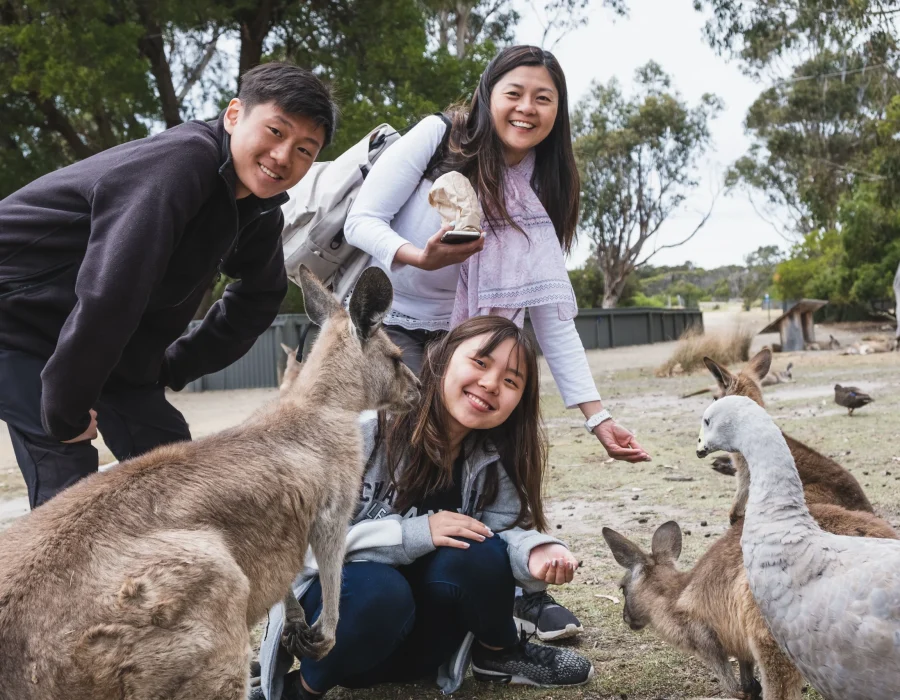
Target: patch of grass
725,348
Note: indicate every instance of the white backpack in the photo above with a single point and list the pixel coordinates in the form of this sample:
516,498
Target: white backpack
314,217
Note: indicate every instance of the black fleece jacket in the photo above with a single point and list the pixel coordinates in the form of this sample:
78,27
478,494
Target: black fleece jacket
104,263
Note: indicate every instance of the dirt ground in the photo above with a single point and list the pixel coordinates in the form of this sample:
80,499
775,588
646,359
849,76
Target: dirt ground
587,491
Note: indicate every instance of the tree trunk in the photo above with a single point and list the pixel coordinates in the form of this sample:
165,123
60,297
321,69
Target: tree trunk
463,10
254,30
104,128
57,121
444,28
612,289
154,48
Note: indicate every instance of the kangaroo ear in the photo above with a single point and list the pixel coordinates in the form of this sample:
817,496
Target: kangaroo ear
722,376
319,302
372,297
667,541
626,552
760,363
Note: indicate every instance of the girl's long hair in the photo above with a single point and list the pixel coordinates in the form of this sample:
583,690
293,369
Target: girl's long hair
419,440
475,149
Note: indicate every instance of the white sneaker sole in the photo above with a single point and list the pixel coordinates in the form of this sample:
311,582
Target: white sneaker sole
506,679
567,633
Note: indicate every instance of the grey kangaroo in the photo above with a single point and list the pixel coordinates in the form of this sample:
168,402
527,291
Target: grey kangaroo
709,610
143,582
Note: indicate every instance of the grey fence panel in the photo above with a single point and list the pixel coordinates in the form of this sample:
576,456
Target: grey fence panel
263,365
631,330
587,330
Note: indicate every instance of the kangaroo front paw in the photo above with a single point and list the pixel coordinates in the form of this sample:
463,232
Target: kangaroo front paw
735,515
305,641
753,690
293,634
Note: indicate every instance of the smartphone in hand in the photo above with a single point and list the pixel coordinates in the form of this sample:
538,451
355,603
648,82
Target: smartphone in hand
452,237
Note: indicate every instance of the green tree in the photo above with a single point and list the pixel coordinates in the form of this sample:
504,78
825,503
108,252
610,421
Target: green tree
764,33
638,161
812,136
587,281
690,293
824,144
721,291
759,274
77,78
813,269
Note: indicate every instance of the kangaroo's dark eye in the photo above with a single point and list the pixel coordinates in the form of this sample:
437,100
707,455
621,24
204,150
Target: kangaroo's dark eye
706,421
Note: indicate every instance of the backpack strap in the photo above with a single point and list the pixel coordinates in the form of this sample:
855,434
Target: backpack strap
441,151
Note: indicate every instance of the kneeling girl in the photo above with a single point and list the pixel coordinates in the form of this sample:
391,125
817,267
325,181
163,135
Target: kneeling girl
450,520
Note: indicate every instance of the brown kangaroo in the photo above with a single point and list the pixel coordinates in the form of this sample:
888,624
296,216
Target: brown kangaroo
786,376
142,582
824,480
291,368
709,611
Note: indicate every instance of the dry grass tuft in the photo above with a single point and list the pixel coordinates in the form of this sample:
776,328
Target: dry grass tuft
725,348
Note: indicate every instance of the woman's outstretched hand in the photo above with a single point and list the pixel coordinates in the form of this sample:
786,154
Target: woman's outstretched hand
552,563
620,443
446,526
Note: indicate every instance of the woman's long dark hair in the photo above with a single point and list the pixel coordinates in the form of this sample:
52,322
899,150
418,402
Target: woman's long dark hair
475,149
419,440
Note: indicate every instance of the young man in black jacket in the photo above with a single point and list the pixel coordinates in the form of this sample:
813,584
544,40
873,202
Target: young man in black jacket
104,263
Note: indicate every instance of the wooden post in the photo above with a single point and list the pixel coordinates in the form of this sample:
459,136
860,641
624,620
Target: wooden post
809,328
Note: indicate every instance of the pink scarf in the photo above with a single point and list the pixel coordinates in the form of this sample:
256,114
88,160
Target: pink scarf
515,271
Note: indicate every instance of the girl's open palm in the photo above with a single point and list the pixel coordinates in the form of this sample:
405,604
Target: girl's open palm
552,563
619,442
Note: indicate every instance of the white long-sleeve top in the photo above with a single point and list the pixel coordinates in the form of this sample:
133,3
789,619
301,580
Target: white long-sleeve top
392,209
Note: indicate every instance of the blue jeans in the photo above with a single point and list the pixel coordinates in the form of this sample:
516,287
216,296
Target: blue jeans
400,624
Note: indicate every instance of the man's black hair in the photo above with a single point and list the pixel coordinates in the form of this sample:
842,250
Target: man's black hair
293,89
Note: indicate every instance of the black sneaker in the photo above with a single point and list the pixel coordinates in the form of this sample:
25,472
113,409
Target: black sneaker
530,664
293,689
537,613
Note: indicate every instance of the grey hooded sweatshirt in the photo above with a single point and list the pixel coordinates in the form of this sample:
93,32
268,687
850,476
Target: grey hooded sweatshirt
379,534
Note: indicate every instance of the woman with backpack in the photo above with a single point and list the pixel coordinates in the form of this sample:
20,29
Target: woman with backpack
450,518
513,143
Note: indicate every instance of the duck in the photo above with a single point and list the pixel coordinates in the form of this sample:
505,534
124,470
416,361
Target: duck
850,398
832,602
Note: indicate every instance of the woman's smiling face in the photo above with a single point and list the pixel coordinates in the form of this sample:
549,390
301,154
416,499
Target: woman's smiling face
524,104
481,391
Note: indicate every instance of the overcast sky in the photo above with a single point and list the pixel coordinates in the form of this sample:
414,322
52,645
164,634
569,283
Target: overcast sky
669,32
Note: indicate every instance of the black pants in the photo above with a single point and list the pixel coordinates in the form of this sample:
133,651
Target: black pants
414,344
131,421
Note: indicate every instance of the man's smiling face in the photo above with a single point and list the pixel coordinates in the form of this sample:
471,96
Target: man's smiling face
271,149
